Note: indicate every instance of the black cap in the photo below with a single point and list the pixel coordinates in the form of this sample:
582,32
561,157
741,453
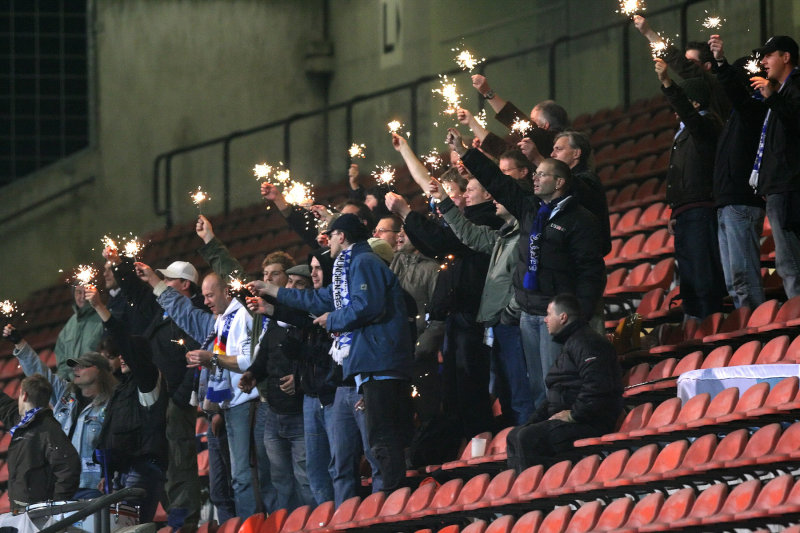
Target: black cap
784,43
697,89
347,222
90,359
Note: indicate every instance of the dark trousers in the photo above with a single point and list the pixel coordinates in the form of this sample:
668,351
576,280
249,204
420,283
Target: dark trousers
699,268
537,443
387,404
465,376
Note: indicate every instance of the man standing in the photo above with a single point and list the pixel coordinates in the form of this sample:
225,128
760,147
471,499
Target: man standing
584,390
365,308
81,333
777,165
560,250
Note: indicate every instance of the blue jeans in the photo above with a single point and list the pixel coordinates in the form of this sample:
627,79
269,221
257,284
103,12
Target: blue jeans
318,450
511,359
220,491
286,448
144,474
540,353
237,423
699,268
787,246
739,234
266,489
348,437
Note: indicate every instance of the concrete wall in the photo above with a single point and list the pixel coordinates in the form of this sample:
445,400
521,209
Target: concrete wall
167,73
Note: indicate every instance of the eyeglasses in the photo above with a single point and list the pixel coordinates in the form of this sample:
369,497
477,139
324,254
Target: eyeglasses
539,174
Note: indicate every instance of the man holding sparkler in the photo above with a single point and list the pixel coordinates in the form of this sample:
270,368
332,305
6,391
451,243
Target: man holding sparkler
740,213
365,308
776,171
81,333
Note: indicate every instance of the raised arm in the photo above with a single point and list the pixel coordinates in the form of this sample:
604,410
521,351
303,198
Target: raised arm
479,238
415,166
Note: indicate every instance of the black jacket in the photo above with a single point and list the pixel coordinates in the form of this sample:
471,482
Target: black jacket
686,68
131,430
161,332
272,361
460,284
585,379
571,251
586,187
780,166
691,163
738,142
42,463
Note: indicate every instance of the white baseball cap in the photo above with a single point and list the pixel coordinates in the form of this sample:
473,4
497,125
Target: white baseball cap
180,270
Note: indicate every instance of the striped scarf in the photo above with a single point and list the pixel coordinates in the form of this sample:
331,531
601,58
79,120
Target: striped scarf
340,348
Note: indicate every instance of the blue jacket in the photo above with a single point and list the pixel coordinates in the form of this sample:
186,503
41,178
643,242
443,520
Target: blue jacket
376,315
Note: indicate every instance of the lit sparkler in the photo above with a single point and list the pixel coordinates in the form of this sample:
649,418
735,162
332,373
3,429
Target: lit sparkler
297,193
481,118
132,248
753,66
395,126
84,275
629,8
658,49
383,174
8,308
433,160
465,60
108,242
180,342
198,197
712,22
449,93
262,170
521,126
357,151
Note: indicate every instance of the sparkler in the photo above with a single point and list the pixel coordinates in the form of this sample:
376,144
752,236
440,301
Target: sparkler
449,93
84,275
712,22
395,126
383,174
658,49
108,242
198,197
8,308
357,151
753,66
237,288
465,60
282,176
180,342
481,118
262,170
132,248
433,160
297,193
629,8
521,126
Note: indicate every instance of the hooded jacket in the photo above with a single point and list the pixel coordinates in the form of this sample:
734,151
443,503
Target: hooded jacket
81,334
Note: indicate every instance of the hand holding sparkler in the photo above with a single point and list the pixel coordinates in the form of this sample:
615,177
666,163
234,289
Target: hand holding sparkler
641,24
455,141
262,288
765,86
715,43
481,84
463,116
197,358
321,212
661,72
270,193
436,190
529,148
204,229
198,197
398,142
11,334
146,274
93,297
397,204
111,255
258,305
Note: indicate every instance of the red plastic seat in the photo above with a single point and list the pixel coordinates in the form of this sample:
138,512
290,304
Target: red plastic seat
741,498
708,503
610,468
651,301
202,463
466,453
556,520
394,504
633,245
773,351
343,513
763,315
773,494
762,443
478,526
501,525
634,279
615,279
498,487
471,492
668,459
793,351
792,503
733,322
582,472
694,408
635,419
718,357
318,518
676,507
614,515
627,221
369,508
645,511
231,525
745,354
652,217
640,462
671,305
526,483
665,413
445,496
636,375
787,447
5,504
686,364
786,316
553,478
729,448
699,452
752,398
616,246
271,524
781,394
585,517
495,450
528,523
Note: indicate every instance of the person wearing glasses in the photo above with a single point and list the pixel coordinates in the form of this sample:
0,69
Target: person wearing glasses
559,250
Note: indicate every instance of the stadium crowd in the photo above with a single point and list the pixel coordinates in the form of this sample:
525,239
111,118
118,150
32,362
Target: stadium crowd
395,335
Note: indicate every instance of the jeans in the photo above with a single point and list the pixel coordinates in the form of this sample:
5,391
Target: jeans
465,375
265,487
739,234
699,269
318,450
348,436
540,353
220,491
144,474
387,404
511,359
787,246
286,448
237,424
183,484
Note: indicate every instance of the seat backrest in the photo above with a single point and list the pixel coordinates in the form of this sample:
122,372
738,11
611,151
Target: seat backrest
395,502
637,417
789,310
700,451
646,510
763,441
694,408
466,453
676,506
501,525
626,194
723,403
473,489
752,398
745,354
272,523
773,351
583,471
661,274
763,314
662,369
478,526
232,525
319,516
637,275
370,506
632,246
650,301
499,485
670,457
793,351
790,440
297,519
612,466
636,374
640,461
528,523
742,497
615,278
447,494
709,325
555,476
615,514
784,391
709,501
616,246
527,481
652,213
665,413
775,492
731,446
688,363
499,442
585,517
345,512
718,357
556,520
736,320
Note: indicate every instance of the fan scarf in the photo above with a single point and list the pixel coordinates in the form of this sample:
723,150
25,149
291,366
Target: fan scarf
340,348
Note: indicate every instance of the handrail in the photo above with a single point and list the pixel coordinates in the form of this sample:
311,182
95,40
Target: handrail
412,87
97,504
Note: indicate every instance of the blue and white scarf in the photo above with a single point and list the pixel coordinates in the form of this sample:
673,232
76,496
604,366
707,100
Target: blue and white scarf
25,419
219,382
340,348
531,282
754,175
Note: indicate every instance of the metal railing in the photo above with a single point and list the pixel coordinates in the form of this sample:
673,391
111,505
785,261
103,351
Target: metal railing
97,505
162,183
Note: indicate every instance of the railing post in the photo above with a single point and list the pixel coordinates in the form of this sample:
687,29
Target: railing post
168,190
414,121
287,141
626,66
348,130
226,174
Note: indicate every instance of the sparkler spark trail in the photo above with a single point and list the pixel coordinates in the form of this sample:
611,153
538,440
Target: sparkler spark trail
521,126
8,308
262,171
84,275
357,151
465,60
449,93
383,174
282,176
108,242
481,118
753,66
433,160
629,8
395,126
298,193
712,22
132,248
198,197
659,48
